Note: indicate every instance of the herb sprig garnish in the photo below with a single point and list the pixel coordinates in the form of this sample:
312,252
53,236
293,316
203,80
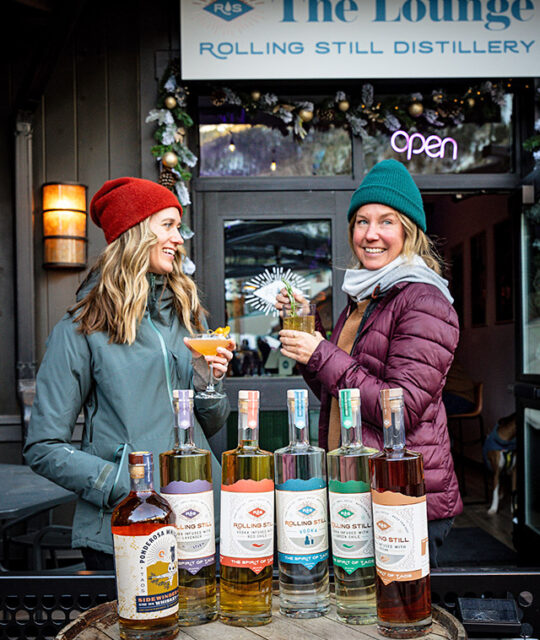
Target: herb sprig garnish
292,300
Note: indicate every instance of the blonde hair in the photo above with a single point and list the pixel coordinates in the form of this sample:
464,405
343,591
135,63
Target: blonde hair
416,242
116,304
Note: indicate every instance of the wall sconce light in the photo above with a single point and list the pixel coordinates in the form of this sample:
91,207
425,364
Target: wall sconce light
64,225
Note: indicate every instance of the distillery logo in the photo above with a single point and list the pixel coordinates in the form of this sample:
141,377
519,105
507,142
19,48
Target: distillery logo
257,512
383,526
190,513
228,10
345,513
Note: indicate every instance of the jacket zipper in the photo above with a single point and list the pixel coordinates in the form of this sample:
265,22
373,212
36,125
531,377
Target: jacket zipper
160,337
165,358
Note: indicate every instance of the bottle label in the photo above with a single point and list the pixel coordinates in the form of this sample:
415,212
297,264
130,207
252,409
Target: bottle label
352,530
401,536
247,525
195,523
147,574
302,527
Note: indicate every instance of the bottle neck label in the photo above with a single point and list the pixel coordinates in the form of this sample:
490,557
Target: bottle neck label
247,525
351,525
302,526
147,574
401,536
194,514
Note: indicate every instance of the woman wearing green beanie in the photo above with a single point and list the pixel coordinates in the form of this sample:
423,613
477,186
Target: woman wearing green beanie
399,329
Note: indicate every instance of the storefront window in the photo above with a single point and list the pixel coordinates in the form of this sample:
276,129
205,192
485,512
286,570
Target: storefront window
479,147
253,248
229,150
530,256
532,472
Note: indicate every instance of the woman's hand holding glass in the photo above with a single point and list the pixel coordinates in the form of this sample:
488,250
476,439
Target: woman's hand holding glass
298,345
218,362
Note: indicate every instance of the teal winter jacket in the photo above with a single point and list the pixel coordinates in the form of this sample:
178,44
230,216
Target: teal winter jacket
125,392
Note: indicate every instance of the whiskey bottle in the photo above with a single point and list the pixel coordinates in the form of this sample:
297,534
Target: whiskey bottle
400,529
186,483
145,556
351,522
247,523
302,519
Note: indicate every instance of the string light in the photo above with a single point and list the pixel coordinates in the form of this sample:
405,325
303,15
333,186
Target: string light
232,146
273,164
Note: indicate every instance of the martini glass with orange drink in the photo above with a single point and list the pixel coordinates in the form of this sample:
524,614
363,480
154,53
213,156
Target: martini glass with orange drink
207,345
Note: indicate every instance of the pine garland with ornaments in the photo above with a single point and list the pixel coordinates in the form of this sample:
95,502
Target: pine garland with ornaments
364,115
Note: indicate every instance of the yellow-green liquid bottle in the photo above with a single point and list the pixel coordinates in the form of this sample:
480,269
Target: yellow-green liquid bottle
351,521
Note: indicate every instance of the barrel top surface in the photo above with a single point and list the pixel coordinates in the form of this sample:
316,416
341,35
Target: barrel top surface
101,623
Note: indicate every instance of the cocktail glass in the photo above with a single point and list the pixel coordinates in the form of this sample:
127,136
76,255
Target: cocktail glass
300,319
207,345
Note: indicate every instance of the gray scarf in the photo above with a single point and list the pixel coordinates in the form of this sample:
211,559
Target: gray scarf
360,283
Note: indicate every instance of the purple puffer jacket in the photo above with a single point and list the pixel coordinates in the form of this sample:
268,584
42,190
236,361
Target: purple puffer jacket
407,341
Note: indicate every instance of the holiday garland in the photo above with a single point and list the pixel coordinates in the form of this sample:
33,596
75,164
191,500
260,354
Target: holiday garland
363,115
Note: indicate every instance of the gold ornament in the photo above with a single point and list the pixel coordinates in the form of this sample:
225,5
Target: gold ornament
306,115
470,102
170,102
179,135
170,159
343,105
255,96
416,109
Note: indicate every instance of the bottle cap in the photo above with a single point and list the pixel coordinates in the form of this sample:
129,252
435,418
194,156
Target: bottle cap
351,393
140,457
248,395
182,394
294,393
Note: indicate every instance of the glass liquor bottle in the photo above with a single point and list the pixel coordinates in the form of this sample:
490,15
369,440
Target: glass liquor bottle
145,557
351,522
400,529
302,518
186,483
247,523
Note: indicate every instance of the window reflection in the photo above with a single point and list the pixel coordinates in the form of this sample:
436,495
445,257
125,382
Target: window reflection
251,246
259,150
530,242
532,470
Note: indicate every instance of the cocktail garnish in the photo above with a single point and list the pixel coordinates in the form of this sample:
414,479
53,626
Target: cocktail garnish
221,331
290,293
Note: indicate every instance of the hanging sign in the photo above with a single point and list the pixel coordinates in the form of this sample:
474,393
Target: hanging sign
284,39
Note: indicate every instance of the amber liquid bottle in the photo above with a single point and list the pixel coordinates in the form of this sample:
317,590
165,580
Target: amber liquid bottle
400,529
247,523
145,557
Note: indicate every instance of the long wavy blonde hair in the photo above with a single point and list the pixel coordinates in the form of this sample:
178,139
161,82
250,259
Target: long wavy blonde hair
416,242
116,304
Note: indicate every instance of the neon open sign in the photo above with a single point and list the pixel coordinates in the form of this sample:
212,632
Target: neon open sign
415,144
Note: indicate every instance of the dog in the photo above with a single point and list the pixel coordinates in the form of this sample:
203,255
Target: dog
499,452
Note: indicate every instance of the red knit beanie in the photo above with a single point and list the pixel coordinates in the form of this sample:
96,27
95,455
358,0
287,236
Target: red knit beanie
122,203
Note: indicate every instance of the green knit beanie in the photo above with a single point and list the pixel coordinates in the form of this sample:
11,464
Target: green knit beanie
391,184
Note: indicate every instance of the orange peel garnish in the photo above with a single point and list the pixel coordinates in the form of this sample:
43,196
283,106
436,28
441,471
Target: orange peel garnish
222,331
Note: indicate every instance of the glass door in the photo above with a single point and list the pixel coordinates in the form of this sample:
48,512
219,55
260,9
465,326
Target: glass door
527,388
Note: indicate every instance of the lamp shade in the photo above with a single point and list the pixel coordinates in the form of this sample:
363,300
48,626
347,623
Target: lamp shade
64,225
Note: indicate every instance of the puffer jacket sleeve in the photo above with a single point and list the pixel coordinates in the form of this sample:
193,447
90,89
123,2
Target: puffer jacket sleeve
419,349
62,385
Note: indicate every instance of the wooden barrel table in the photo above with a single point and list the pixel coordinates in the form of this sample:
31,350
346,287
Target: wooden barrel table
101,623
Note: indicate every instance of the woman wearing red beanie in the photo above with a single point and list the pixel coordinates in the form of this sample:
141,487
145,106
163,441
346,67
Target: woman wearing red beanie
117,355
399,329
